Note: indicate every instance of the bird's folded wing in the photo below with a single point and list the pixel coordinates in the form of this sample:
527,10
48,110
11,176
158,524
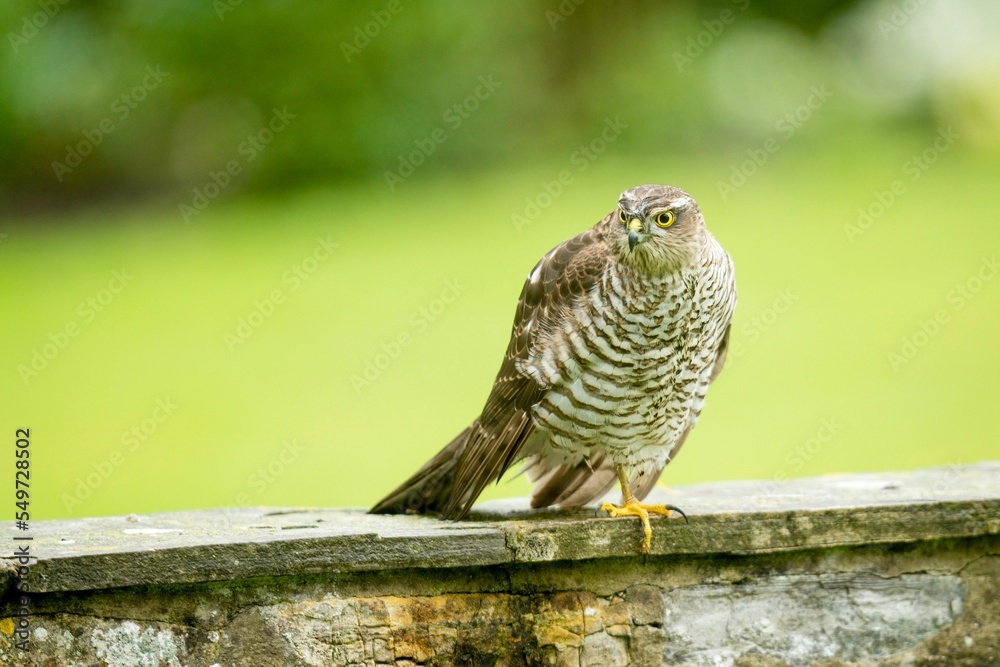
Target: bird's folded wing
567,273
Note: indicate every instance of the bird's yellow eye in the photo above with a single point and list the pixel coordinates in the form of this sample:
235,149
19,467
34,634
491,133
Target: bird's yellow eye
665,219
621,216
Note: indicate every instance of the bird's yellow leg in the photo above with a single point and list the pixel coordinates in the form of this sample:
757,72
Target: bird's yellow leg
632,507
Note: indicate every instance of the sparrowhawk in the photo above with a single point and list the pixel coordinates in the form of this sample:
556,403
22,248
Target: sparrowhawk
618,333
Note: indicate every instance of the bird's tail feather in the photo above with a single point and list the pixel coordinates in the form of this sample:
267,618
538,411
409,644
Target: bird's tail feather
429,488
575,485
570,485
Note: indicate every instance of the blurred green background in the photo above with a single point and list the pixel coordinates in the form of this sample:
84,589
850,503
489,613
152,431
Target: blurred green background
269,253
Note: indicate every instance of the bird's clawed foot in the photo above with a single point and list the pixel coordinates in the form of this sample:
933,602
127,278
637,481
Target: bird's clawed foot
634,508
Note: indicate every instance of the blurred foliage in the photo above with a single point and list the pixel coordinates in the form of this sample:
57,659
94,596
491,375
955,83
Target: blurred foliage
366,80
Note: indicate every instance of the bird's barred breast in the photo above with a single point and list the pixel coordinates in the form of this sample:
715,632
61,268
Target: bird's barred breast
629,371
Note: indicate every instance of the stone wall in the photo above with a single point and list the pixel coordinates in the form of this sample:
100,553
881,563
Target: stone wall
889,569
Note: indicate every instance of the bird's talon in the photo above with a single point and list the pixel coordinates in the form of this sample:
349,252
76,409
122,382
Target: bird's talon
635,508
609,508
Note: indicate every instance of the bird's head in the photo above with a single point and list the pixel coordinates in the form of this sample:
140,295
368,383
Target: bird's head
657,228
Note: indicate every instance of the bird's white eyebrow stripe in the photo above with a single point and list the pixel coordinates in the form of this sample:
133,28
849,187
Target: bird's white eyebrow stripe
647,205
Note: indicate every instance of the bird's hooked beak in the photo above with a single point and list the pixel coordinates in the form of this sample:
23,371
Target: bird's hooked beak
636,234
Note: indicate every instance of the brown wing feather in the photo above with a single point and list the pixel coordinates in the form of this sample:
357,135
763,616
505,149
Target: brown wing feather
427,489
496,439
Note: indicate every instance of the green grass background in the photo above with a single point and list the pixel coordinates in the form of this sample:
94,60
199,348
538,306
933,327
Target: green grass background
825,358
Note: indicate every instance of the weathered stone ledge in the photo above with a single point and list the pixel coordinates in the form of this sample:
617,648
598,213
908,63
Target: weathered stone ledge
889,569
728,517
